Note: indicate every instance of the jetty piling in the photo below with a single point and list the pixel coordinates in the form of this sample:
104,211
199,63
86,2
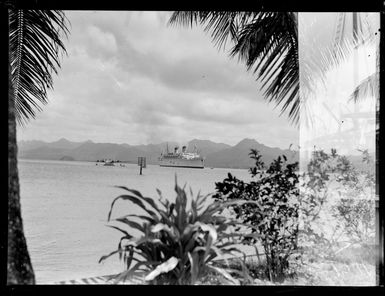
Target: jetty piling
141,163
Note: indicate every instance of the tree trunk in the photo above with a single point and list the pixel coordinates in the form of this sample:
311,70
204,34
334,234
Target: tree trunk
19,268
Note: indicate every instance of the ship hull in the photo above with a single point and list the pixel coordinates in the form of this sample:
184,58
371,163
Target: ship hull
182,163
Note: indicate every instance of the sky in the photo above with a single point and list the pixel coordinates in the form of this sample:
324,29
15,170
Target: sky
129,77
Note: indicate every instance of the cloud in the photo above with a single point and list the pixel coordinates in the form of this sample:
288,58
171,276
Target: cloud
130,78
103,41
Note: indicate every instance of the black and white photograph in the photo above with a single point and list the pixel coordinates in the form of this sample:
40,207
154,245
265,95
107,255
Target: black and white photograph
197,147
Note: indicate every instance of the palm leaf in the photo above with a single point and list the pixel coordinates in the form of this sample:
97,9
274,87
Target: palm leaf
265,40
35,47
318,61
369,87
269,46
223,24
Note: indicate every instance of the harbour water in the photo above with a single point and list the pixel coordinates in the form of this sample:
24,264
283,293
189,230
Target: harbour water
65,206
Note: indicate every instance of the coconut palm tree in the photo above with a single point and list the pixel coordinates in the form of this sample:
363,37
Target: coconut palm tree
35,46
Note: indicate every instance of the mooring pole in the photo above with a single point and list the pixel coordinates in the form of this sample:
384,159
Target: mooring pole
141,163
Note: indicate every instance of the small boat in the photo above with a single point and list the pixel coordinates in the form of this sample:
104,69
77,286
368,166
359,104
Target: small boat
109,162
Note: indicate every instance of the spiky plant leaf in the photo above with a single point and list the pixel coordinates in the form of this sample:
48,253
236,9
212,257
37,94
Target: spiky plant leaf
120,229
165,267
160,226
107,256
132,224
134,199
149,200
225,274
128,274
195,240
193,259
142,217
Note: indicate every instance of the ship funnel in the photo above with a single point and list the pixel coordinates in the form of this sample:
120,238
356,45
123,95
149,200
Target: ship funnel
184,149
175,149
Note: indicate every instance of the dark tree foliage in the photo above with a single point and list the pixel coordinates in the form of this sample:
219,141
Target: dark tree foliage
275,221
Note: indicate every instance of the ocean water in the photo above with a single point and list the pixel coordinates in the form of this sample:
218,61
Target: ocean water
65,207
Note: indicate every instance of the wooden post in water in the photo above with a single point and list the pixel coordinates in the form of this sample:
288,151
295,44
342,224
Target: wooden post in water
141,163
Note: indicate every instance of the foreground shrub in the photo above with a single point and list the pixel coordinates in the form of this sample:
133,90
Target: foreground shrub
177,243
355,209
275,220
336,203
315,188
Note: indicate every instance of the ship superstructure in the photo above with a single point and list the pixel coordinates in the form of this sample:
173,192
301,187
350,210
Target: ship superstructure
181,159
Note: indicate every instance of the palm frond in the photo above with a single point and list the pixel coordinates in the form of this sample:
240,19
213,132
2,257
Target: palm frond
369,87
318,60
265,41
269,46
222,24
35,49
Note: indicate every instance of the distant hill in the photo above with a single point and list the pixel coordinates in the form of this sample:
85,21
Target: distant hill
67,158
43,152
59,144
238,155
94,151
216,154
64,144
206,147
28,145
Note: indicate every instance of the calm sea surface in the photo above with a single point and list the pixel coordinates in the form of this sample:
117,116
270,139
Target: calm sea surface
65,207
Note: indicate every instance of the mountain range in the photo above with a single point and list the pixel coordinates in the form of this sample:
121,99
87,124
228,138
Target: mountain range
217,155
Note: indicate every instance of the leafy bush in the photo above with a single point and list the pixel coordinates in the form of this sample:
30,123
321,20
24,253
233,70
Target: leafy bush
275,220
314,192
177,244
334,188
356,206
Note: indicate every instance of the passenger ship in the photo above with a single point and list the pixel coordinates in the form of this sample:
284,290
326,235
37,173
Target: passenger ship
181,159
